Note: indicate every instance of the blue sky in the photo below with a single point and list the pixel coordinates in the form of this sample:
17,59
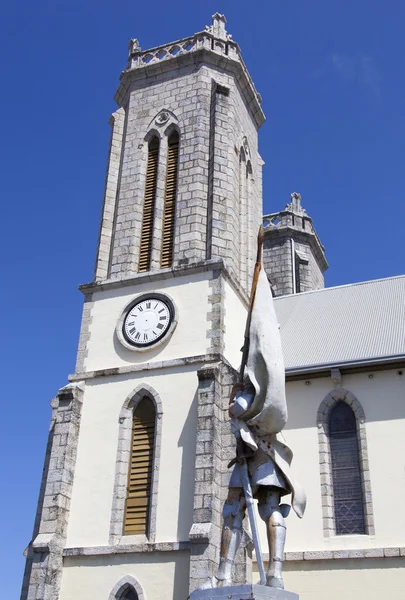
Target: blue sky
332,79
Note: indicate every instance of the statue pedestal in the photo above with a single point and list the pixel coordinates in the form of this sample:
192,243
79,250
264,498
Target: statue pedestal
243,592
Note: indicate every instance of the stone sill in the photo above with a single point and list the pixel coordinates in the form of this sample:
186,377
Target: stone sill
390,552
150,366
127,549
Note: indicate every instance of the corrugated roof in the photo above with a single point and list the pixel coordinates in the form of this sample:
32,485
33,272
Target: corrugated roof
347,323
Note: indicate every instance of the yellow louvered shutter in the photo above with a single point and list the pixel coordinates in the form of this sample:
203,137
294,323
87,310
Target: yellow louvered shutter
149,206
170,201
139,486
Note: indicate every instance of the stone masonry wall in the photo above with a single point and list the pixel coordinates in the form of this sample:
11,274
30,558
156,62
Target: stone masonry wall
215,448
43,571
117,123
210,138
277,261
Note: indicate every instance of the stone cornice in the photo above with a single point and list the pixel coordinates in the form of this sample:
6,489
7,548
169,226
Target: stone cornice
127,549
192,268
354,366
390,552
150,366
309,555
205,49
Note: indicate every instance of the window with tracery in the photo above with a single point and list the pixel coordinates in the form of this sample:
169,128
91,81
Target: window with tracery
139,486
346,473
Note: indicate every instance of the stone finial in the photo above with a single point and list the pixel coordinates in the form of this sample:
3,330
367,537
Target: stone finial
133,47
218,26
295,204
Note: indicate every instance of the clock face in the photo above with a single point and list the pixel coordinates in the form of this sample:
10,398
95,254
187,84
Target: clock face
147,321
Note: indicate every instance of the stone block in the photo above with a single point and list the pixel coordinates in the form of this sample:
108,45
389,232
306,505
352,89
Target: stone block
243,592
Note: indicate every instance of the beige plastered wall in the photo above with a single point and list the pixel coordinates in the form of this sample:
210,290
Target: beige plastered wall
382,398
160,575
234,320
104,350
355,579
92,496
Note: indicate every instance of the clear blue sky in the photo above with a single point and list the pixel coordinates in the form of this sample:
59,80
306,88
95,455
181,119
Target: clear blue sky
333,83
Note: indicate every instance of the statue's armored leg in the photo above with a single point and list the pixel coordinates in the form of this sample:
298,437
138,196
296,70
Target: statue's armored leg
273,514
233,513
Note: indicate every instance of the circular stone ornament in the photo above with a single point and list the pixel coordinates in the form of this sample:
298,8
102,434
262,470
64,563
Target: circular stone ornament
147,321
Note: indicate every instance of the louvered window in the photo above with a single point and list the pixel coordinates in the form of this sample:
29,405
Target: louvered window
137,505
346,473
170,201
149,206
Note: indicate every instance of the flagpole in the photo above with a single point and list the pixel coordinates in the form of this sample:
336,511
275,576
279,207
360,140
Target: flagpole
258,266
247,488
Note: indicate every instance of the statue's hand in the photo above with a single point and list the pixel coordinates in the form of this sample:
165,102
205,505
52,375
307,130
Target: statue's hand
238,387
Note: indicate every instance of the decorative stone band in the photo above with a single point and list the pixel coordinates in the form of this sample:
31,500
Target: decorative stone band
127,549
192,268
162,364
391,552
342,554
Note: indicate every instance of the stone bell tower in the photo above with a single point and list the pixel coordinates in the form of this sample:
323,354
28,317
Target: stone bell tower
135,474
293,256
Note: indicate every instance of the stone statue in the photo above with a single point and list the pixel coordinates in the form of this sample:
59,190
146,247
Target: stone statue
258,413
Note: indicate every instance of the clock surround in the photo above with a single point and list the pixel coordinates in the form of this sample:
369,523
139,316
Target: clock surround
141,327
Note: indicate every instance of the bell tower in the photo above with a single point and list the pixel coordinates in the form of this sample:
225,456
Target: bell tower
135,474
293,256
184,173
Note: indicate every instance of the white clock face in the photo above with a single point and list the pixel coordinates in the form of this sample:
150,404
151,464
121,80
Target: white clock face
147,322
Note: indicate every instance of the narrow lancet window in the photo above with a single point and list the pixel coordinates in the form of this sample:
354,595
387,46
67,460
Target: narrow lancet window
149,206
128,594
139,487
169,211
346,473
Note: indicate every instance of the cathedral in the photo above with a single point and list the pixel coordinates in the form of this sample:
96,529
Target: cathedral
135,472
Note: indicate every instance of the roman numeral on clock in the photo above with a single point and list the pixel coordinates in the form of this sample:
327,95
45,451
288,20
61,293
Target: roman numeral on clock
132,331
140,308
145,337
163,318
148,305
138,335
159,326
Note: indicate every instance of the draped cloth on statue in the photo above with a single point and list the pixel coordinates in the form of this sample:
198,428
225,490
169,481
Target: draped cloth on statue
267,413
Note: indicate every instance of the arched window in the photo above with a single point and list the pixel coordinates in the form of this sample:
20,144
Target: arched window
346,473
149,206
128,588
138,497
128,594
169,210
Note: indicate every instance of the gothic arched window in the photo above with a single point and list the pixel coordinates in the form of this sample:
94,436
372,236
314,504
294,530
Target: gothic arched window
169,210
128,594
139,486
346,473
149,205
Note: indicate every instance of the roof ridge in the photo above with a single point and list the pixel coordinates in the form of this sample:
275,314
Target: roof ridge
345,285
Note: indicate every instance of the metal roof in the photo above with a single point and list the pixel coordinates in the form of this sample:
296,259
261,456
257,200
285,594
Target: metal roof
349,323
